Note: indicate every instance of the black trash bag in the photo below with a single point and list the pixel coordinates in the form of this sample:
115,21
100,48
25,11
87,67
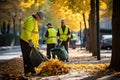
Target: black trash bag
61,52
37,57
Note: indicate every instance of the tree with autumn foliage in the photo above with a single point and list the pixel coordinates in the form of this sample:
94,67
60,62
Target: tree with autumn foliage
16,9
11,17
71,11
68,9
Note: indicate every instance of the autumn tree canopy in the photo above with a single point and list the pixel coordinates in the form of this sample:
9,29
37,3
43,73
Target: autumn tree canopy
70,10
17,8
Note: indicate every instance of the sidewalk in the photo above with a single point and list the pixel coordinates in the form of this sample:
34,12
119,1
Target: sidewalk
9,52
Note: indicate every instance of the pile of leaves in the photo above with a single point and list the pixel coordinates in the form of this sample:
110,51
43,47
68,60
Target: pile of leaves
12,68
52,67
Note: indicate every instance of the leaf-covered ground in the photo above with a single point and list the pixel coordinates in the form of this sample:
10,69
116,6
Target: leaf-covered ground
78,66
14,69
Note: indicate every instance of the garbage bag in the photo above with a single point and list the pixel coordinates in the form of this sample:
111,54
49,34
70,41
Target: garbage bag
61,52
36,57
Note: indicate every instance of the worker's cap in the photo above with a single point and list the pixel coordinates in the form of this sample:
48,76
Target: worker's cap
41,14
62,20
49,24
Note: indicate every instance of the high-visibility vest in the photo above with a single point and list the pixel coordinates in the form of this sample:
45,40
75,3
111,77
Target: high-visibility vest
51,39
30,31
63,35
73,37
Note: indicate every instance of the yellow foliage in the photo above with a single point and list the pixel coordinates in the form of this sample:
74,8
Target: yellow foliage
27,4
88,66
72,19
103,6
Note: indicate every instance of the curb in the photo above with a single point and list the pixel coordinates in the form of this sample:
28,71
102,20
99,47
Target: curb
9,47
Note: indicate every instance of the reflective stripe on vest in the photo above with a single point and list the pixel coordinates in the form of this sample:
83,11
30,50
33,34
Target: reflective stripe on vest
63,35
51,39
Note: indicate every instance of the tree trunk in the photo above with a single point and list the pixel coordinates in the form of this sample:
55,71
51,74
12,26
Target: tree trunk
87,40
97,30
3,28
84,41
115,59
90,34
93,35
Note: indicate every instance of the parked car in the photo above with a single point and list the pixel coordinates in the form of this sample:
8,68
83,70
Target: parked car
106,42
79,42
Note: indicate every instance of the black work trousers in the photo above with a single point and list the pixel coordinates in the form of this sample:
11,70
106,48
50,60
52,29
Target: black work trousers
73,44
49,47
26,49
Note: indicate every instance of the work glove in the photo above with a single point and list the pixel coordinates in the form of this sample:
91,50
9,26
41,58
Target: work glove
31,44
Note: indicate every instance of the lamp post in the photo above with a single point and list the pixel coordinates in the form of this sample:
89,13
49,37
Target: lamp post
19,25
80,36
14,16
20,19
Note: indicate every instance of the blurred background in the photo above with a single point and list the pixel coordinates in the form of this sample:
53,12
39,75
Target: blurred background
14,12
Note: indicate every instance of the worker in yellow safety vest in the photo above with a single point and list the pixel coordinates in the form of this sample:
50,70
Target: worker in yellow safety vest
63,34
29,38
51,39
73,40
